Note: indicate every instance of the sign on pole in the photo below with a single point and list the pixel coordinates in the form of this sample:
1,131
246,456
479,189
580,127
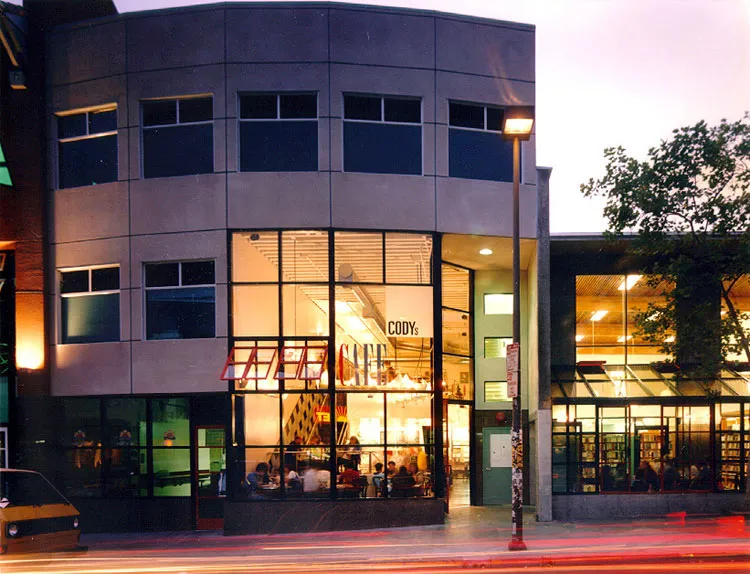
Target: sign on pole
511,363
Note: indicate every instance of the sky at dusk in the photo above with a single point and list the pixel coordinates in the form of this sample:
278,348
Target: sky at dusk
611,72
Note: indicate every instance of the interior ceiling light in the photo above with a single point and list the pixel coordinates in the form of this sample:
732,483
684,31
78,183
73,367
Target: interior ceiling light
598,315
629,282
485,251
623,338
579,338
669,339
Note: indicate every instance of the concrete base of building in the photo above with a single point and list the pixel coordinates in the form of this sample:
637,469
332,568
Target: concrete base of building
653,505
135,514
245,517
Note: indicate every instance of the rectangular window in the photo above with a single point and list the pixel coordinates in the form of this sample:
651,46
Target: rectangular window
476,147
382,135
90,305
177,137
180,300
498,304
496,347
279,132
496,392
87,147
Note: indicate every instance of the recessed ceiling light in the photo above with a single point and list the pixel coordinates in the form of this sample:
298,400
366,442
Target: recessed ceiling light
629,282
598,315
579,338
485,251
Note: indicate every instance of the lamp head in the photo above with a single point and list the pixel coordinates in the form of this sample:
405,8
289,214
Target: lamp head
518,121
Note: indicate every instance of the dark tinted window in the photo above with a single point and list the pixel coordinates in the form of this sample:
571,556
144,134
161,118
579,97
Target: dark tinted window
107,279
159,113
162,274
124,422
196,110
362,108
100,122
91,319
28,489
495,119
298,106
87,161
74,281
279,146
382,148
398,110
258,106
178,150
480,155
465,116
71,126
198,273
180,313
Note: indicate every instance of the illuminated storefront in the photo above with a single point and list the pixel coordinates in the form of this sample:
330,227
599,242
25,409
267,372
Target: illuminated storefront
333,318
626,419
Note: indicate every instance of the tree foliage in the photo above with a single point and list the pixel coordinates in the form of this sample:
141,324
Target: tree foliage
688,204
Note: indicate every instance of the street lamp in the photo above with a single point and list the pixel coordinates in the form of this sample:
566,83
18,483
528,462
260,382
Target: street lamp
517,125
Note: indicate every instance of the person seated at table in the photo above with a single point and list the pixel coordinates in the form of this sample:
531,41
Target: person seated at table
292,479
391,470
350,475
254,480
378,476
416,473
402,483
312,479
646,478
703,480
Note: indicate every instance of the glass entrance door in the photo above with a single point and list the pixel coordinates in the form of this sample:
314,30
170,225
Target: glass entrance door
458,453
210,477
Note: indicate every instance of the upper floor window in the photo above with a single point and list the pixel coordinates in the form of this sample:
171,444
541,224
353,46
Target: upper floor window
87,147
279,132
476,147
180,300
382,134
90,307
177,137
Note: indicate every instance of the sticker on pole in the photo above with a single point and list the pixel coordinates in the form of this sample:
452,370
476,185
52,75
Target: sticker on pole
511,363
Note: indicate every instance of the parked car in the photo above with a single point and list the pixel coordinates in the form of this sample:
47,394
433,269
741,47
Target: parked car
34,516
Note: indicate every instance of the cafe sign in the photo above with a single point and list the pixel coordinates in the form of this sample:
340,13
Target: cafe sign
408,311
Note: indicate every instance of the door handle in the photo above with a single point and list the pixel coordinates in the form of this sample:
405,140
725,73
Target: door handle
487,468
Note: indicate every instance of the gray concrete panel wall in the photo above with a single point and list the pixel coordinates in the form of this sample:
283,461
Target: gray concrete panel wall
258,200
95,369
179,366
277,34
86,52
495,50
181,38
187,203
382,39
483,207
101,212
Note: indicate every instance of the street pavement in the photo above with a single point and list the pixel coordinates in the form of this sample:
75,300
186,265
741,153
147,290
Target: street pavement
471,538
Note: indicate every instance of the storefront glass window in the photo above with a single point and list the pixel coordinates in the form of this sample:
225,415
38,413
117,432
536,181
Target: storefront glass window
607,309
381,352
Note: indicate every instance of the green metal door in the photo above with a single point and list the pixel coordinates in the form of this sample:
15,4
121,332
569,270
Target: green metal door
496,459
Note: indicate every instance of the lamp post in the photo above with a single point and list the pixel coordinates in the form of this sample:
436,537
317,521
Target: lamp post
517,125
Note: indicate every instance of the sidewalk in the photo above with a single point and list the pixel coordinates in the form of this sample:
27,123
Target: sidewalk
471,537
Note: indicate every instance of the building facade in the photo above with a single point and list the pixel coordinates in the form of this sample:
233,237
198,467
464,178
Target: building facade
631,431
264,227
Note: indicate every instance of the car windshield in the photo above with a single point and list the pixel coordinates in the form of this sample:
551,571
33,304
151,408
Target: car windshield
28,489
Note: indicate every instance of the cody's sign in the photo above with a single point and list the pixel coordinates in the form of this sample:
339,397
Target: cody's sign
408,311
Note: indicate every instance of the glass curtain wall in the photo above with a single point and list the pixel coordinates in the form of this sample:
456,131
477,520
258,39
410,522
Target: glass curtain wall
647,448
606,311
332,363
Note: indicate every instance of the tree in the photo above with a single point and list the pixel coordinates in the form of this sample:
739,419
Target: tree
688,205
